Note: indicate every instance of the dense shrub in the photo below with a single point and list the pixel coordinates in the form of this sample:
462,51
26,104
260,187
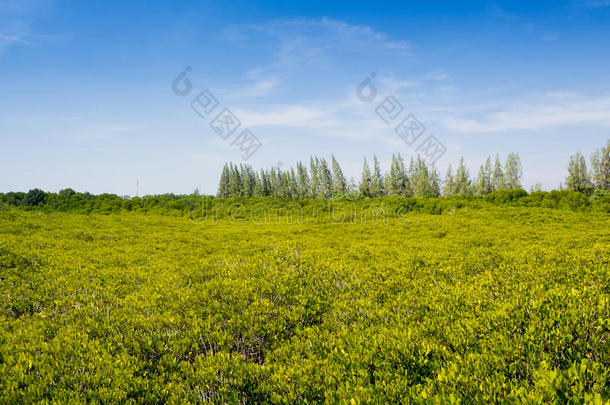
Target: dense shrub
502,304
505,196
34,198
68,200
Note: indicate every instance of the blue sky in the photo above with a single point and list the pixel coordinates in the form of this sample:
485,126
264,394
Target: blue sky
87,100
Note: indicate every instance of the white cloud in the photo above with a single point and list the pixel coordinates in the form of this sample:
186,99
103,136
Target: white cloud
346,118
303,42
300,45
8,40
554,109
323,31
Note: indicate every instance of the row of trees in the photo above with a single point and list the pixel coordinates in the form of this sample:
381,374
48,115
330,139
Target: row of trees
325,180
489,179
585,180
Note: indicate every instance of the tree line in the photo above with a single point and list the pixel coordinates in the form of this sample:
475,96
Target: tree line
323,179
588,180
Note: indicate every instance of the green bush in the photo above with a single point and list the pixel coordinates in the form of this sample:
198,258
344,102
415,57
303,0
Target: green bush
429,301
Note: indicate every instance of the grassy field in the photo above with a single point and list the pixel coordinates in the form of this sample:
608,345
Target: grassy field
487,305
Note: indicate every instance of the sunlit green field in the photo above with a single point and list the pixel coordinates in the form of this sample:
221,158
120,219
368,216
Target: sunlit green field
486,305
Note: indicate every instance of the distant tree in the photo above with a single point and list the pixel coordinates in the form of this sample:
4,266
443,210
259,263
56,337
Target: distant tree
425,181
293,185
315,177
497,178
339,182
412,176
248,180
405,181
258,185
578,176
483,183
397,181
352,187
66,198
435,183
274,183
463,184
303,181
365,181
376,188
235,182
34,198
600,167
392,181
513,171
448,183
326,180
223,185
536,187
263,185
284,184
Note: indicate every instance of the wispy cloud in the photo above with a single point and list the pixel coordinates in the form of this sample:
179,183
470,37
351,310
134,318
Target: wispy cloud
101,132
343,117
326,32
21,7
553,109
302,44
7,40
17,18
599,3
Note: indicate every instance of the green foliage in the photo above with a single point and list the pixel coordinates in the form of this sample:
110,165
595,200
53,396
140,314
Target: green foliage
476,304
324,180
497,177
513,171
600,167
365,180
578,175
462,184
484,183
599,193
505,196
34,198
207,206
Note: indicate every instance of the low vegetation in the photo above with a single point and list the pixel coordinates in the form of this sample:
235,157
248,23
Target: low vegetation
458,299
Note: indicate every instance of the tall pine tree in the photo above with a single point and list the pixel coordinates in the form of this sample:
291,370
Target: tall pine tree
578,176
223,185
365,180
376,188
463,184
448,184
339,183
497,178
513,171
